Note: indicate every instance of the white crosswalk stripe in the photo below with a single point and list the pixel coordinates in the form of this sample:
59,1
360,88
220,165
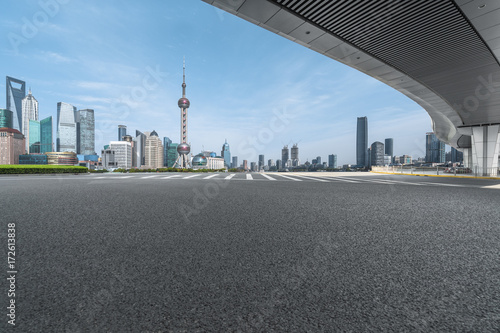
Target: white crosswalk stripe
313,178
192,176
268,177
249,176
297,180
122,177
149,177
211,176
230,176
173,176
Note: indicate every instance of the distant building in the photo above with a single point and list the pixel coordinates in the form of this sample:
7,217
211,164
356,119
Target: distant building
108,159
122,154
389,147
295,155
39,136
16,91
405,159
6,118
377,154
434,149
332,161
253,166
29,112
270,163
318,160
154,151
362,141
62,158
235,162
456,156
122,131
138,158
279,165
166,143
172,154
39,159
215,162
285,156
245,165
85,132
261,163
12,144
226,154
387,159
66,128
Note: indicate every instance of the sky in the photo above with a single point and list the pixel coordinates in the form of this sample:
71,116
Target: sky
249,86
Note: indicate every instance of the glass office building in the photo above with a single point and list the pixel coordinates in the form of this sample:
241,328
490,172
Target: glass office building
33,138
122,131
85,132
434,149
332,161
166,143
40,136
16,91
172,154
30,112
362,141
377,154
389,147
66,128
6,118
226,154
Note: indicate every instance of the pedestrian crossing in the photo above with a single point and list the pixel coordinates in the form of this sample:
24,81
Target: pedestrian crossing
276,177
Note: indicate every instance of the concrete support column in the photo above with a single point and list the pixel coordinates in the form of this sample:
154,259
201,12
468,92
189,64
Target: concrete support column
485,148
467,157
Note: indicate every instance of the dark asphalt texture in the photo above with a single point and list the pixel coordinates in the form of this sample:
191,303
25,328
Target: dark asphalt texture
214,255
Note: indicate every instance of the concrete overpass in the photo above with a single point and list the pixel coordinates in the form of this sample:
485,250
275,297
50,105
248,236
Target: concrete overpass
443,54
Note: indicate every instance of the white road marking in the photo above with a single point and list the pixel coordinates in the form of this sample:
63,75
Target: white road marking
268,177
149,177
497,186
123,177
230,176
190,176
249,176
297,180
312,178
171,176
211,176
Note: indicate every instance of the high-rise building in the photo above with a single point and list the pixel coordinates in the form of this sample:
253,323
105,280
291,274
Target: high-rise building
279,165
166,143
29,112
261,162
46,143
139,159
362,141
122,154
332,161
235,162
389,146
285,156
456,156
295,155
183,148
16,91
11,145
270,163
377,154
172,154
33,137
245,165
66,128
226,154
6,118
122,131
154,151
253,166
434,149
85,131
318,160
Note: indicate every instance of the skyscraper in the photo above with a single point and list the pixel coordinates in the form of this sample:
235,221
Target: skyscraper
362,141
166,145
16,91
46,143
29,112
389,147
261,162
434,149
172,154
456,156
332,161
226,154
295,155
123,154
285,156
85,132
154,151
235,162
40,136
138,159
6,118
122,131
377,153
66,128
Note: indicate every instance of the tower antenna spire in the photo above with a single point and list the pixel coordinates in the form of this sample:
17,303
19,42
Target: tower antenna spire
184,77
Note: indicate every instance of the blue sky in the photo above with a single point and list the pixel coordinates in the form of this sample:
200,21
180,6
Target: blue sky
101,55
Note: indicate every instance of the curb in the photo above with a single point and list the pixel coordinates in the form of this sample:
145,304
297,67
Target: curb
441,176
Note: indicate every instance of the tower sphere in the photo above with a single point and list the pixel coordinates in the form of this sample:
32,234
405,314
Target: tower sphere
183,149
183,103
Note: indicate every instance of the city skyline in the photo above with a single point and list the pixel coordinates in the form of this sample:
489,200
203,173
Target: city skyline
235,91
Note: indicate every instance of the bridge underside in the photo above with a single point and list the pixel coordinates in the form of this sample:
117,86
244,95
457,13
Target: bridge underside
443,54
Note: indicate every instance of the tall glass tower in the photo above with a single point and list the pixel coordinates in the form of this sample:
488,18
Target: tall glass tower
66,128
122,131
285,155
30,112
295,155
6,118
85,132
389,147
16,91
434,149
40,136
226,154
362,141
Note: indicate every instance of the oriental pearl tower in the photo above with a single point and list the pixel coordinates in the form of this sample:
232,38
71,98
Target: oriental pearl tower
183,148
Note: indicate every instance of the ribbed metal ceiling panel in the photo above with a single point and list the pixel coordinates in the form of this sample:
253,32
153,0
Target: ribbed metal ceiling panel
430,41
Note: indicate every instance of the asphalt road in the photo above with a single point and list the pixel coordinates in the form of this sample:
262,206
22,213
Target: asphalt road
355,253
